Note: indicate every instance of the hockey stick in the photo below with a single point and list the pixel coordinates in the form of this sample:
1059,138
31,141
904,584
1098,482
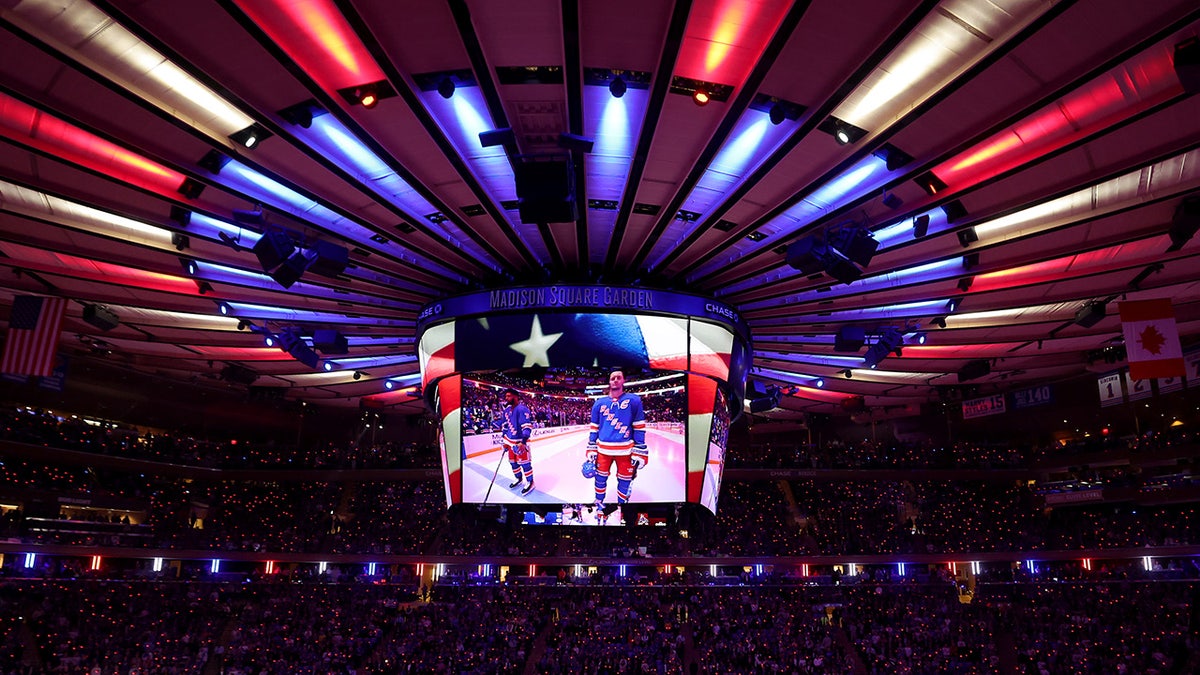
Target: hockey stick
495,473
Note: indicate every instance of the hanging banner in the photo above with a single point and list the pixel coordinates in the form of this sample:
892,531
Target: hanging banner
1167,385
983,407
1138,389
1192,361
1032,397
1110,390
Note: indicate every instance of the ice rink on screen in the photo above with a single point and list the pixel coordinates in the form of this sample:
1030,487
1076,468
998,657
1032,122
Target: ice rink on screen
557,458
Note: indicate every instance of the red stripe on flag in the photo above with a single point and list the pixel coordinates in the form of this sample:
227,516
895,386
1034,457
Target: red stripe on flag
1146,310
1149,370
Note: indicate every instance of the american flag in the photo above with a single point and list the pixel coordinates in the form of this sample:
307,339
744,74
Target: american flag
32,340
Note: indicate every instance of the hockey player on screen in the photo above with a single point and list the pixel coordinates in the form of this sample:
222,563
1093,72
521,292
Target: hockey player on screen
516,424
617,436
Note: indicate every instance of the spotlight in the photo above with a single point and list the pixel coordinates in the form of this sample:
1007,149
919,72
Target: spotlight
819,383
939,321
446,87
778,113
701,97
328,366
189,266
180,241
952,305
301,114
919,338
213,162
358,375
269,340
848,374
921,226
389,385
617,87
244,324
367,97
842,135
250,136
964,284
204,287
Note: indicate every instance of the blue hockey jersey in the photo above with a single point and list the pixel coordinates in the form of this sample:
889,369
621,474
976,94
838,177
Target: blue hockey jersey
516,423
617,424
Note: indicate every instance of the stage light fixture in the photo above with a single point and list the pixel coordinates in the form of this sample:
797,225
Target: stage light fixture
939,321
617,87
575,143
446,87
244,324
503,137
269,340
224,308
700,98
921,226
848,374
189,266
819,383
778,113
180,241
301,114
952,305
358,375
251,136
964,284
919,338
204,287
248,216
328,366
842,135
389,385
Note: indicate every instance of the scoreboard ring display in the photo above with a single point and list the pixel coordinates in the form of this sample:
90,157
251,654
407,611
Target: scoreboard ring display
530,382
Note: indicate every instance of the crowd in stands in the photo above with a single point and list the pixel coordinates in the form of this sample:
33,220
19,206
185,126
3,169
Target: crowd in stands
41,427
595,624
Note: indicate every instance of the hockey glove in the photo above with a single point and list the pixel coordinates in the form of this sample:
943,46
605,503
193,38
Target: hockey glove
640,456
592,452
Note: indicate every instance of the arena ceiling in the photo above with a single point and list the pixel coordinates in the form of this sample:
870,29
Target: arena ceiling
1049,145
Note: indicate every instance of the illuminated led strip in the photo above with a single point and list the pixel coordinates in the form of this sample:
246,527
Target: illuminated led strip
752,141
269,191
613,124
244,310
32,203
867,175
951,39
341,146
900,310
79,30
77,267
29,126
927,273
462,118
316,35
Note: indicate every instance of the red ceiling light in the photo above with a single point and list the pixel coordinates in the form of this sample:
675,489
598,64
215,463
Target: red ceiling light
700,97
368,99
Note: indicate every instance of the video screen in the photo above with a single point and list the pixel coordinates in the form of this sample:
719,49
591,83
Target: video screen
526,436
523,397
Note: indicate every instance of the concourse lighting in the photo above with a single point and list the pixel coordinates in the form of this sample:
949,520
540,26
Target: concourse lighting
389,385
842,135
250,136
701,97
328,366
819,383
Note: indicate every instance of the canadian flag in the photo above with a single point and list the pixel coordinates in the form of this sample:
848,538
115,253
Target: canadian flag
1151,339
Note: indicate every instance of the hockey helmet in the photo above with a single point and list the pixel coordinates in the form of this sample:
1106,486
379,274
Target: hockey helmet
588,469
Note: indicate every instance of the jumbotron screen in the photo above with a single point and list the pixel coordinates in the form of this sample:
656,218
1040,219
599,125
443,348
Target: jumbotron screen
561,410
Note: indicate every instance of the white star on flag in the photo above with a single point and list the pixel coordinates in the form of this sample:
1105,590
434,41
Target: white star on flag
536,348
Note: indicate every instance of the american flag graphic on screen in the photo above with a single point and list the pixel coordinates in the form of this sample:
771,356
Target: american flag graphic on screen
32,340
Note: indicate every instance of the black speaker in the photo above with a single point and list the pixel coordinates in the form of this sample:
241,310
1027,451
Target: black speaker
546,191
1185,223
273,249
291,270
101,317
330,341
1090,314
328,259
849,339
974,370
1187,65
856,244
807,255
